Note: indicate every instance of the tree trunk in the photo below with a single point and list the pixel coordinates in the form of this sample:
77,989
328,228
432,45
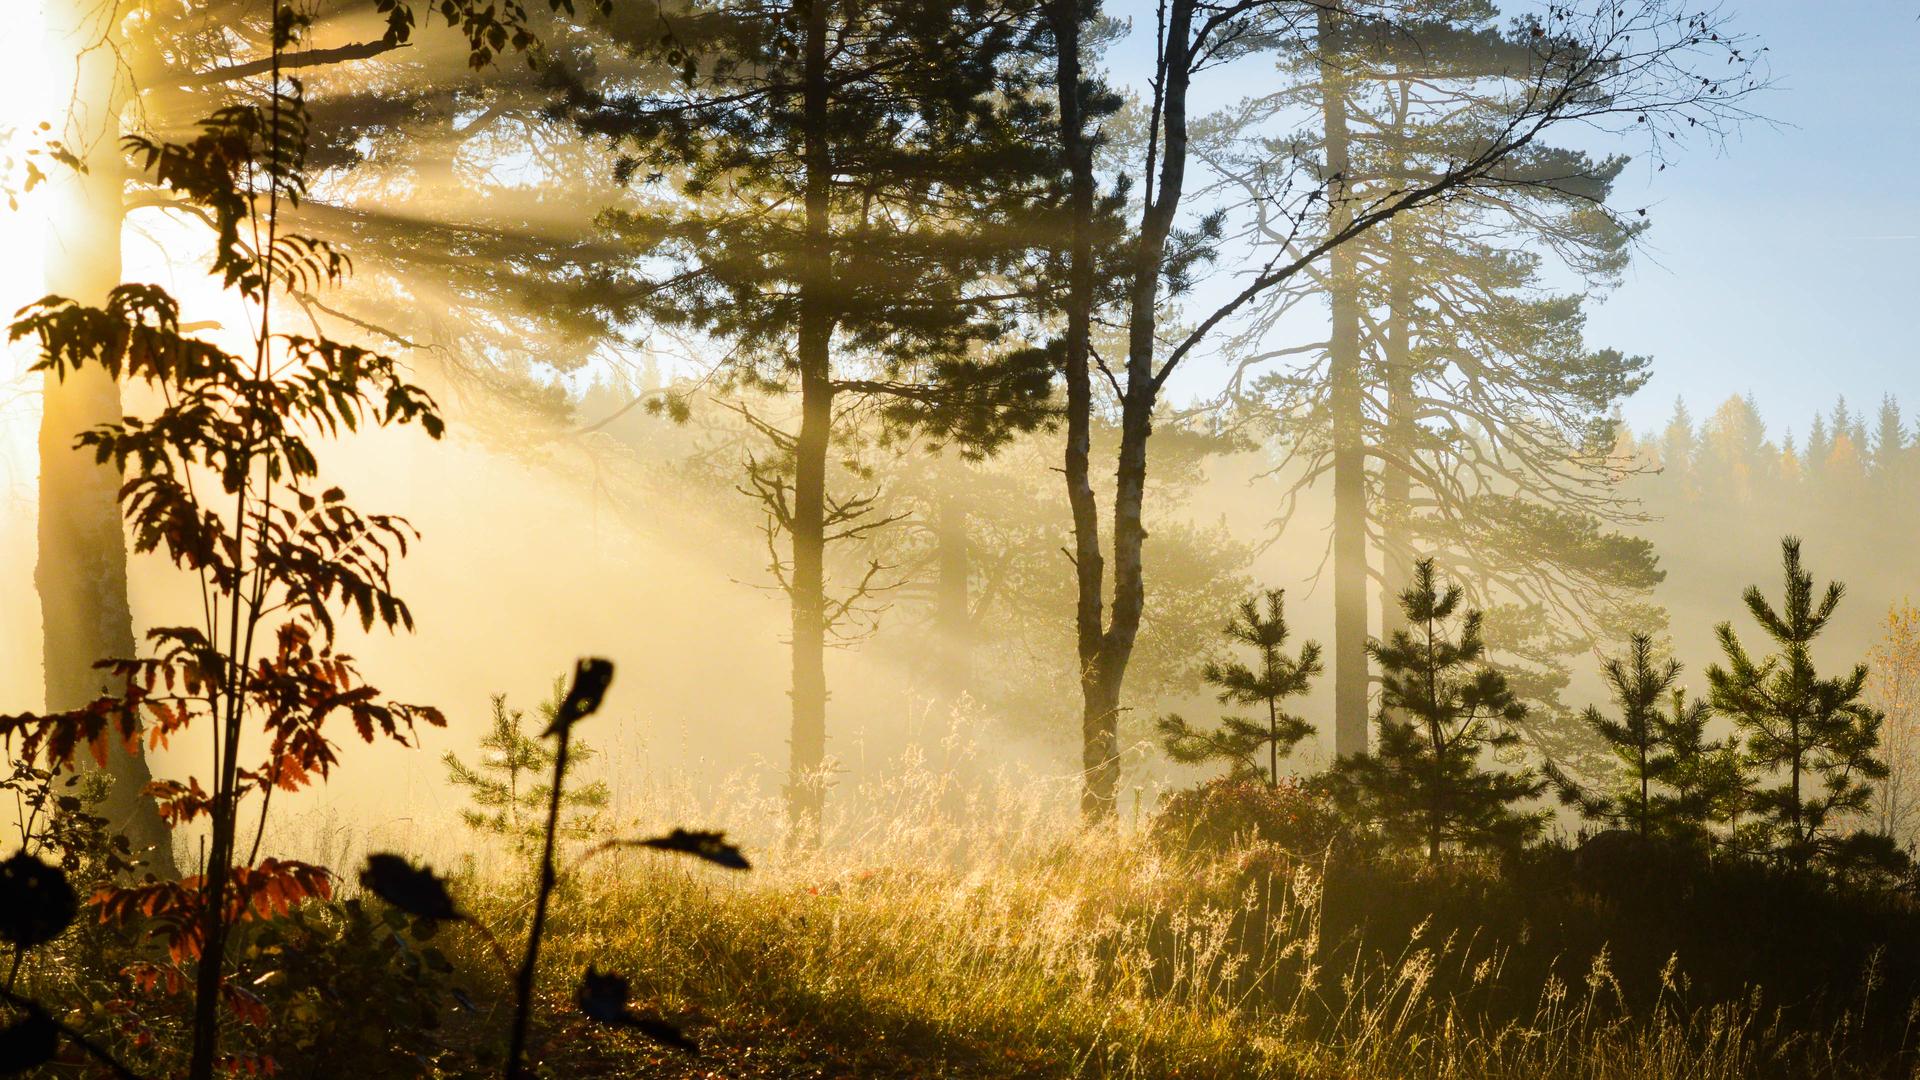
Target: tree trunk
81,573
1395,512
1098,762
1347,407
1136,422
952,598
213,937
1394,515
806,774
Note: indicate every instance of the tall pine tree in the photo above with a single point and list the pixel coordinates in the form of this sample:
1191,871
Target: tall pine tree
1454,405
850,181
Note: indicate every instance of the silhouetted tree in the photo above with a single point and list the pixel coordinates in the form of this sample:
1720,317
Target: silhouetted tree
1455,404
1630,65
852,178
1818,732
1441,707
1269,681
1668,784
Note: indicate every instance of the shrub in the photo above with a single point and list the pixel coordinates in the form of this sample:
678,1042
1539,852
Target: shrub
1227,812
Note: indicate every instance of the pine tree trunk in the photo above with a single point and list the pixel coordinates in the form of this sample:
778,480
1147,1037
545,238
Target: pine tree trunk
1347,408
81,573
1395,513
1097,730
952,600
806,780
1799,755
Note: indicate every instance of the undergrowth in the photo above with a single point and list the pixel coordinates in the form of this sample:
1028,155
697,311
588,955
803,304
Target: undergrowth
974,931
979,933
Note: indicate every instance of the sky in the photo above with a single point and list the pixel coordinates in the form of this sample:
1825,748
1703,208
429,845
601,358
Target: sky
1789,264
1785,264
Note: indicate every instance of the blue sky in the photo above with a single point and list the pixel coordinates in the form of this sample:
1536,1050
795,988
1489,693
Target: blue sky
1787,263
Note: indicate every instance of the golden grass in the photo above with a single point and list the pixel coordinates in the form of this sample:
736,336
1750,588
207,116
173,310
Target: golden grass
979,922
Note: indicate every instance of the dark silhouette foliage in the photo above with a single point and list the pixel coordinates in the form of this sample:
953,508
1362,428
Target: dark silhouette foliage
603,997
28,1042
36,903
1268,681
1441,707
414,890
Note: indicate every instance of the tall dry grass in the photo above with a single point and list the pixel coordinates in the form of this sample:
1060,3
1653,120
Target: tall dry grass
955,909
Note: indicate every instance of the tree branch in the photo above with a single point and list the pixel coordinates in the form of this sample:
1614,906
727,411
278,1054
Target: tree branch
341,54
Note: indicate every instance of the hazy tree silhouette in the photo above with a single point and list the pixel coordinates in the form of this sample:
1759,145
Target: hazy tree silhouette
1625,65
1441,707
1454,405
1273,677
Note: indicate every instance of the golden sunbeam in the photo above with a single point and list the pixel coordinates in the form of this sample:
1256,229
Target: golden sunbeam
26,99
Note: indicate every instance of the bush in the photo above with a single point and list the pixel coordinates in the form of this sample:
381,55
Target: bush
1295,815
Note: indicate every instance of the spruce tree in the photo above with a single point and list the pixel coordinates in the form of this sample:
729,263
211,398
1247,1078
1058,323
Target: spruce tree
1816,734
1441,707
1667,783
1269,681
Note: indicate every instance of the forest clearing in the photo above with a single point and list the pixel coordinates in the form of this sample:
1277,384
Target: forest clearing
996,538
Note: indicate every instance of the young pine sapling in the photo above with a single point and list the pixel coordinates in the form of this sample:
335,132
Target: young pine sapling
1441,706
1816,734
1268,682
1668,784
508,785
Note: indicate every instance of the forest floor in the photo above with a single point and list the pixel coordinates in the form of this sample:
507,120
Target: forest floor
995,938
998,944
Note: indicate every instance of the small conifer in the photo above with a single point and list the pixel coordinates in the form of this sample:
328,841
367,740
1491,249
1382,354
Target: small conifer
1441,706
508,786
1817,735
1268,681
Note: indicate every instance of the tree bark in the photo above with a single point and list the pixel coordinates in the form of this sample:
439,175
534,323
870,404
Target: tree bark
1347,406
952,600
806,779
1099,762
81,572
1395,513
